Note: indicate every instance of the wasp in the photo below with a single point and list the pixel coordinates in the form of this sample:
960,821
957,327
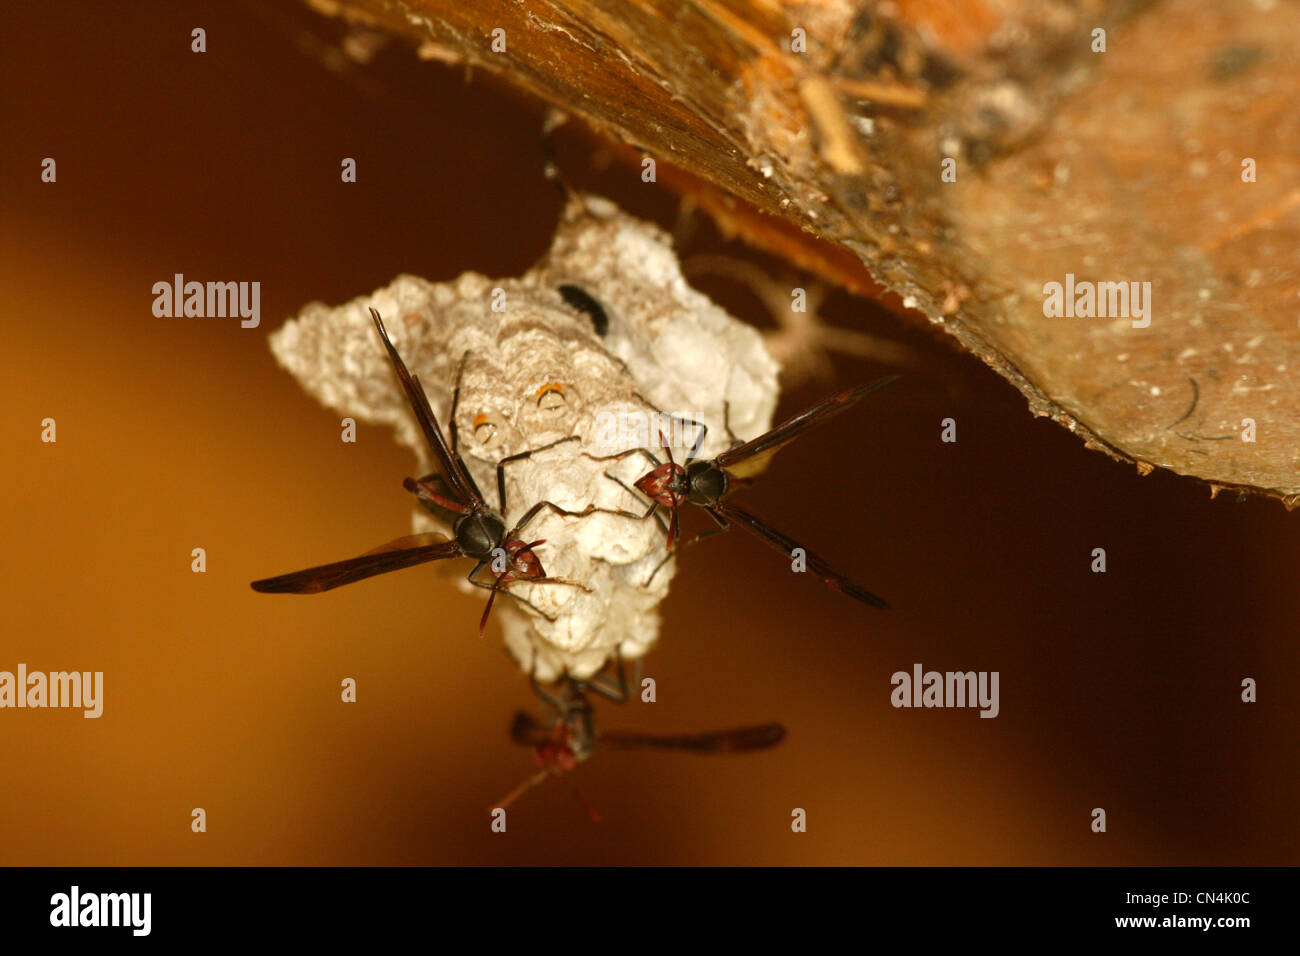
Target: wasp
572,736
708,483
478,531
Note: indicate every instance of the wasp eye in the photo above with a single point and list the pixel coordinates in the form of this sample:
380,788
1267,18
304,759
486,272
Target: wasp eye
485,430
551,396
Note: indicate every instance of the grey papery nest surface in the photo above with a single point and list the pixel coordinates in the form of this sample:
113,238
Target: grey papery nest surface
535,371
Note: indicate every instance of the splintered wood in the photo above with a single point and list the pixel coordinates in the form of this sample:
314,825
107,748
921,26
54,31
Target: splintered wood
969,156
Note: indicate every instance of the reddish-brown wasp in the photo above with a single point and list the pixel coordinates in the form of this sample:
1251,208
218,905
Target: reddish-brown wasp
478,531
706,483
572,738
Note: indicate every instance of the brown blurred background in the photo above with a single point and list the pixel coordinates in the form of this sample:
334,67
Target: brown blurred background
1118,690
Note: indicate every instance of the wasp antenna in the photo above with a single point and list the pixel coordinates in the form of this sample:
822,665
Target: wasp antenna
591,811
520,790
379,324
487,611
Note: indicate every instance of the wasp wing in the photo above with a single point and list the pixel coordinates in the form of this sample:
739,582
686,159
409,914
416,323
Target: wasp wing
452,466
785,545
752,457
397,554
718,741
435,495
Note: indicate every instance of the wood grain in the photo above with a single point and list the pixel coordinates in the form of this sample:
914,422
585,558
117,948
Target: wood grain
1123,165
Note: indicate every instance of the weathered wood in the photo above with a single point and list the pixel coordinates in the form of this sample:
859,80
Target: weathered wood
1123,165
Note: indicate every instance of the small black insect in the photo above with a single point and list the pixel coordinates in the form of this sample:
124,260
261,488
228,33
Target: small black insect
584,302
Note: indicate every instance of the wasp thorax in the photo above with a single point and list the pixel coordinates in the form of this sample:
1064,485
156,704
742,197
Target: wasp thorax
705,483
479,533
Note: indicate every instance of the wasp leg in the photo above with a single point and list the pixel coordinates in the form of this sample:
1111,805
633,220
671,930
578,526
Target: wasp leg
607,687
649,455
726,423
501,466
532,513
502,589
455,402
723,525
550,700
